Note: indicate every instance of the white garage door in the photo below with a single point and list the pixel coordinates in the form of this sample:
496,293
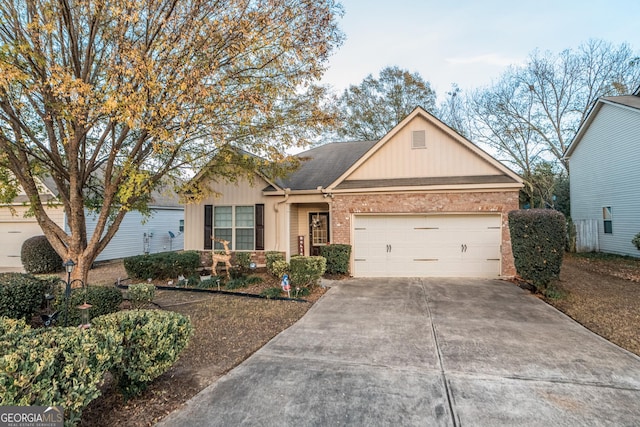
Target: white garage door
12,234
427,245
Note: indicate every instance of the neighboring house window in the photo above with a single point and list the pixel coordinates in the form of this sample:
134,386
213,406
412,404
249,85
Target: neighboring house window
181,227
607,219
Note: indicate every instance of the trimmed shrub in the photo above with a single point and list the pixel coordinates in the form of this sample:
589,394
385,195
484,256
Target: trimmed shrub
152,341
279,268
103,299
271,257
242,282
39,257
56,367
141,294
538,241
21,295
163,265
337,257
243,259
306,270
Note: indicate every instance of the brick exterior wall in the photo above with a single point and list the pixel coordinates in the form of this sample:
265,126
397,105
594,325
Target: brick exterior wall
344,206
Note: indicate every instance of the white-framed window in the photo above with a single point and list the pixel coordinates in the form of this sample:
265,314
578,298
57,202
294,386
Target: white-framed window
607,219
235,224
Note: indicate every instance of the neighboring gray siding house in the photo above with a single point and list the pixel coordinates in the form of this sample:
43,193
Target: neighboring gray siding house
604,165
135,236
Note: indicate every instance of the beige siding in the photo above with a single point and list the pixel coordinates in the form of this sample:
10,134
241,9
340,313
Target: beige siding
443,156
232,194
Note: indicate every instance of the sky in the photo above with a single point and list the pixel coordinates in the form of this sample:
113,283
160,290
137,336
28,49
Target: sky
469,42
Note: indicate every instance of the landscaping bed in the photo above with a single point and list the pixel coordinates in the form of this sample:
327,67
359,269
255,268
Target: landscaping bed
227,330
600,292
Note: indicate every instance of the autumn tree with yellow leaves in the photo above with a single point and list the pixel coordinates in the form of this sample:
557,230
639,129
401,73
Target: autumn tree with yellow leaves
115,99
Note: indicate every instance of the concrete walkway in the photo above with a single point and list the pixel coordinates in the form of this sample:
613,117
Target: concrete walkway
423,352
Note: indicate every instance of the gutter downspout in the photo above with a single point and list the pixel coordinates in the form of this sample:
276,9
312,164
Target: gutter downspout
276,208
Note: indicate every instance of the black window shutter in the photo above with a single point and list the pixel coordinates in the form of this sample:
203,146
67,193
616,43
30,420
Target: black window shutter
208,226
259,227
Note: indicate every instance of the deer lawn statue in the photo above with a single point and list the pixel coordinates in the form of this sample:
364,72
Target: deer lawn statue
223,258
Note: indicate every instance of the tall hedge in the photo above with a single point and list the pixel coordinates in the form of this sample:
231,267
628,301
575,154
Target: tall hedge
337,257
538,242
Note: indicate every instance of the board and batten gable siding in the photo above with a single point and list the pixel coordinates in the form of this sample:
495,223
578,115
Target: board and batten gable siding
442,156
130,238
605,171
240,193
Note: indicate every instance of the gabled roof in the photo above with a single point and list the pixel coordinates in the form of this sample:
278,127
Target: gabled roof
322,165
631,102
328,166
509,176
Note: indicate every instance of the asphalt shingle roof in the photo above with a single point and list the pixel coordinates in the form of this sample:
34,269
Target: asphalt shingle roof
322,165
628,100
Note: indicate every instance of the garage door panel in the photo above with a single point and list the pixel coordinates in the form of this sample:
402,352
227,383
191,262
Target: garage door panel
427,245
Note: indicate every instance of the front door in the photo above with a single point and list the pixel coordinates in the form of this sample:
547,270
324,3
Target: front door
318,231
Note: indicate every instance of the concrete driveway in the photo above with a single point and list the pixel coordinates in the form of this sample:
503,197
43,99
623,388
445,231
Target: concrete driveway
425,352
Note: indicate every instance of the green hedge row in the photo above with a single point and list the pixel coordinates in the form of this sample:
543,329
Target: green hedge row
164,265
337,257
538,242
103,300
21,295
65,366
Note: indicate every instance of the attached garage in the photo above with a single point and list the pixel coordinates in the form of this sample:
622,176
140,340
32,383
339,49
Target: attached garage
437,245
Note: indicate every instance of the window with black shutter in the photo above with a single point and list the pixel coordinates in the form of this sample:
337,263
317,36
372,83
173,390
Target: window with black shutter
260,227
208,226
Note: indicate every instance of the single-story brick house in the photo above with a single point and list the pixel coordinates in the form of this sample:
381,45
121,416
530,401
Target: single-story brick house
421,201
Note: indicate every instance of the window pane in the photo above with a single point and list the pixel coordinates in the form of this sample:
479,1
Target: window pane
222,216
223,234
244,216
606,213
244,239
608,227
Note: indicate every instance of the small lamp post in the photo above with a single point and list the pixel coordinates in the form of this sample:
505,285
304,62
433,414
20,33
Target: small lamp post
69,266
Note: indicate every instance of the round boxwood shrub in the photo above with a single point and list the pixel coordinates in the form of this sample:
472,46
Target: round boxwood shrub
152,341
39,257
21,295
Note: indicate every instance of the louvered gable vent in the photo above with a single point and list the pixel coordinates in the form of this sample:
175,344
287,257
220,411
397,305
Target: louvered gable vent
418,139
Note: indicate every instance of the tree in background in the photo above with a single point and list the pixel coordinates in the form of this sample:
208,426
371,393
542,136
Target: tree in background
452,111
546,99
530,115
110,99
371,109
